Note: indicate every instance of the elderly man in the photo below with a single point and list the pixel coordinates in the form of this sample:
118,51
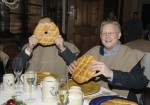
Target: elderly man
118,66
46,58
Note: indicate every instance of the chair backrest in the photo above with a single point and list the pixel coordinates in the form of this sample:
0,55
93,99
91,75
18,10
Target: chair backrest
4,58
143,45
145,64
11,50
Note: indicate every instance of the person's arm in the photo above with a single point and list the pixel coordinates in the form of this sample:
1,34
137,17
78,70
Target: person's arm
24,55
134,79
67,55
64,51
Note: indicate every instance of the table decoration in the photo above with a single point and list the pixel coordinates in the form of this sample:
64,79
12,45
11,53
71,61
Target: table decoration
14,101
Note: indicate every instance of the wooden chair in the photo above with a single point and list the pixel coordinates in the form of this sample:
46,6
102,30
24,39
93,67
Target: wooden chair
11,50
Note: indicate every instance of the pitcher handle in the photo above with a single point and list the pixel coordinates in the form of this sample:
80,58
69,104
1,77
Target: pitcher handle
22,77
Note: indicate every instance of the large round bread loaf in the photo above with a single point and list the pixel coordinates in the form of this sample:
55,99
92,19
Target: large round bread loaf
82,72
118,102
46,32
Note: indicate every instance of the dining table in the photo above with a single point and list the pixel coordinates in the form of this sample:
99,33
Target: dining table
4,96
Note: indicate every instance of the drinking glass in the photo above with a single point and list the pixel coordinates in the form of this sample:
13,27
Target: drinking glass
17,66
30,78
62,92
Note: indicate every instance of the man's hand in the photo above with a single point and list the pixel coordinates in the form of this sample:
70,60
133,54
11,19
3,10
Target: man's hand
72,66
32,43
60,43
101,68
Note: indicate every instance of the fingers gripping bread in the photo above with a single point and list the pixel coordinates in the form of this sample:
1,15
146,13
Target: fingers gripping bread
82,72
46,31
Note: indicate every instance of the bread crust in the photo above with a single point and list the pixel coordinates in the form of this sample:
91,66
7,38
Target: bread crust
118,102
46,32
82,72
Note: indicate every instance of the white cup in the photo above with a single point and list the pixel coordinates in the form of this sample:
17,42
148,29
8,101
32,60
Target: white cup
26,85
49,88
8,83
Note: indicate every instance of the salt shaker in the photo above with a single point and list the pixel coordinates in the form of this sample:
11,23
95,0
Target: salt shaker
75,96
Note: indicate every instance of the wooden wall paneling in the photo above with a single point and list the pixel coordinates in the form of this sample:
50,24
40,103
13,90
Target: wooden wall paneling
24,17
100,11
34,14
93,41
15,20
15,28
84,30
35,9
93,12
78,13
70,29
85,12
38,2
15,23
33,21
77,40
17,10
27,14
85,43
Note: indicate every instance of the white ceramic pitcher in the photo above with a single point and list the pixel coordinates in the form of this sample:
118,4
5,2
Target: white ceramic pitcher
8,83
26,85
49,88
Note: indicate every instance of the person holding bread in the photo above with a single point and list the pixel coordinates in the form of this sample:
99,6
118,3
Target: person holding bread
117,67
44,48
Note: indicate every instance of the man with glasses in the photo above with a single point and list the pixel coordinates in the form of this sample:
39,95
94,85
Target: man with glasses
118,66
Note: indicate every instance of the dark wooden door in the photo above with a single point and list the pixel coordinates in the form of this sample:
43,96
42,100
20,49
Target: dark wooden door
83,28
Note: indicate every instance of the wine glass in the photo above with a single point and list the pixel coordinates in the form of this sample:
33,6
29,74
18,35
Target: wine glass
17,66
62,92
30,78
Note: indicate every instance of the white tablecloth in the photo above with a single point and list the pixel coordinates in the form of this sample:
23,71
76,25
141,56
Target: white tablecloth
37,95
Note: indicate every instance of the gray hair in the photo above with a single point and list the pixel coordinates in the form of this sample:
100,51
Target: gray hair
115,23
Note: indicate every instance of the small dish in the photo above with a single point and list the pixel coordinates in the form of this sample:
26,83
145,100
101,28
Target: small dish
88,88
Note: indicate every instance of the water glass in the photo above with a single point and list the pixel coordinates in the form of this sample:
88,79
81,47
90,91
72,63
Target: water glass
30,78
62,92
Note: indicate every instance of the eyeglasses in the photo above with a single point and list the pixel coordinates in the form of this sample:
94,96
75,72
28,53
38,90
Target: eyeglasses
108,33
